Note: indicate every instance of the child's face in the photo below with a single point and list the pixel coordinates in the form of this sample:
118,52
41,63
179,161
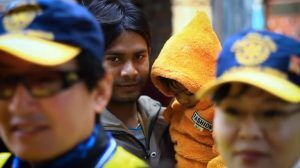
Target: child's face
183,96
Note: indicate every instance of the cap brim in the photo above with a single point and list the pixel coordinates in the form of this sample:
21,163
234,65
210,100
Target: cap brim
37,50
275,85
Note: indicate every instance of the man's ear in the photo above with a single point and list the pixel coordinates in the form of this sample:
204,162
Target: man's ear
103,93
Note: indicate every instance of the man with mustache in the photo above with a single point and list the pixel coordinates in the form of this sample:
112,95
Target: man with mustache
134,120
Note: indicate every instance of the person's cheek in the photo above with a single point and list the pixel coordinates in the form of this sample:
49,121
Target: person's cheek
221,133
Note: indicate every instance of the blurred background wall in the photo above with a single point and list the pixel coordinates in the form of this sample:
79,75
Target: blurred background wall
228,16
184,10
284,16
3,4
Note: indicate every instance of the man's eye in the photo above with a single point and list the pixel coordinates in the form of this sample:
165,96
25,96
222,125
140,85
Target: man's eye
273,114
6,92
139,56
43,78
113,58
232,111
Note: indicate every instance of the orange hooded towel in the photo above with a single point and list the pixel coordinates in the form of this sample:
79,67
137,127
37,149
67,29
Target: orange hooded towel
189,57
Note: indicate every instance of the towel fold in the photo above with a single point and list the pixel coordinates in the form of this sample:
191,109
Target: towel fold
188,57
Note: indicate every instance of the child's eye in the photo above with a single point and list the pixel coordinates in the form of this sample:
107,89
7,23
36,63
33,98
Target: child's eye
188,93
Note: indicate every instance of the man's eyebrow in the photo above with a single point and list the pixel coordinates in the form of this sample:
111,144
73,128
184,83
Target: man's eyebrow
114,52
120,53
141,51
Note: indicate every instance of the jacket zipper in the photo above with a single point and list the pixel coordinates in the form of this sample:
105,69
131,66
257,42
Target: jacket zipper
146,152
151,127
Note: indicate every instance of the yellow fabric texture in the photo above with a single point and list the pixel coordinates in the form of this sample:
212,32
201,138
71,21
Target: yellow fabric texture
216,162
193,146
122,158
189,57
4,156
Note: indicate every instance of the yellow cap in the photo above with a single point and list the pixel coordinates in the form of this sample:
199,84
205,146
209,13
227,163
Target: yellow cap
274,84
37,50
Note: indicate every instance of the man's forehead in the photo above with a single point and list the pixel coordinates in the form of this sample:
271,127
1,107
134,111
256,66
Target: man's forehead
9,62
136,43
238,90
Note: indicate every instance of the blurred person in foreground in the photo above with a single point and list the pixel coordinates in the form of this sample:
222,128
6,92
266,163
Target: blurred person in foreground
185,64
135,120
53,85
257,96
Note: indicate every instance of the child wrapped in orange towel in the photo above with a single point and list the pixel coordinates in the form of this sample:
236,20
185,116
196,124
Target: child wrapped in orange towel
187,62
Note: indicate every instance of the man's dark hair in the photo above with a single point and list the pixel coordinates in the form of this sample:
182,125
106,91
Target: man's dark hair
117,16
90,69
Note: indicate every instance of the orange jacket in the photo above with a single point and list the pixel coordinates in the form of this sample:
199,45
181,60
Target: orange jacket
191,132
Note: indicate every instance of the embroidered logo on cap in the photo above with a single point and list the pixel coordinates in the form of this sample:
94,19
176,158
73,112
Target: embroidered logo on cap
253,49
200,123
21,16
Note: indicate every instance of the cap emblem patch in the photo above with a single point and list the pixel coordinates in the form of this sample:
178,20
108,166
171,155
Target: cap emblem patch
253,49
20,17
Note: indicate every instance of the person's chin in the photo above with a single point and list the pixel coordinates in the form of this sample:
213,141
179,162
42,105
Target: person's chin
128,97
250,161
127,88
125,94
31,153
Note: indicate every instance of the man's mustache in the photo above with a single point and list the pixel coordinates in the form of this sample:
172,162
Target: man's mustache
127,81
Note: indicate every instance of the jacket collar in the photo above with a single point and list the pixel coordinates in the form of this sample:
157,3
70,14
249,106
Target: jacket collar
148,108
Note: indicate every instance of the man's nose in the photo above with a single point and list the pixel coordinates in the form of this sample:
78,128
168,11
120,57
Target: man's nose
129,70
250,128
21,101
